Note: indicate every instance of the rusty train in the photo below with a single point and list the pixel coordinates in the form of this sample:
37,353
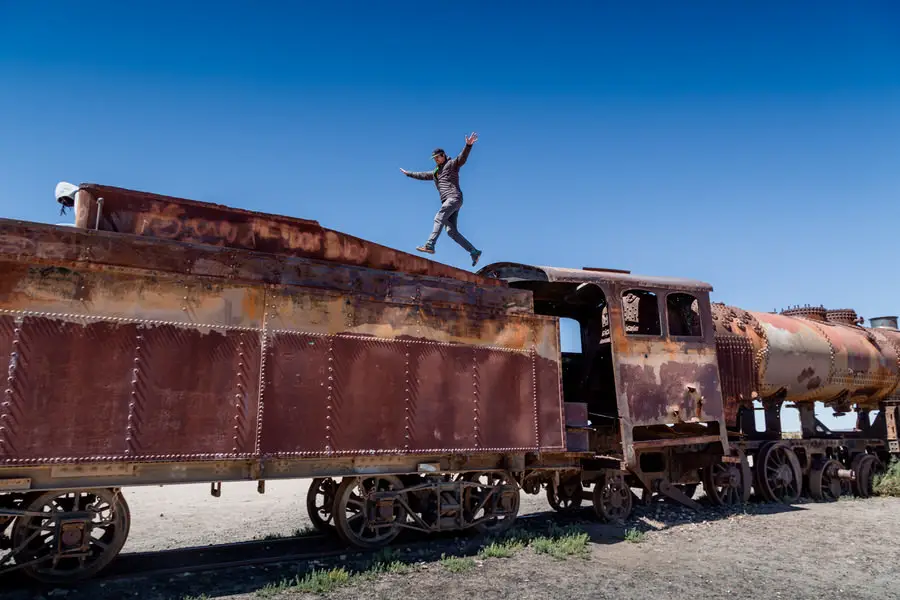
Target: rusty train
164,341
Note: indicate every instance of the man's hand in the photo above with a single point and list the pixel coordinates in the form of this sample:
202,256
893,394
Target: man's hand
471,139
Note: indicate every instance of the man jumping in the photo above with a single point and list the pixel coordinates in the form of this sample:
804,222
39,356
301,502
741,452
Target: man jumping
446,179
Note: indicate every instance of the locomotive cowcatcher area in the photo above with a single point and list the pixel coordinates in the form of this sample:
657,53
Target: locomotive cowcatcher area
168,342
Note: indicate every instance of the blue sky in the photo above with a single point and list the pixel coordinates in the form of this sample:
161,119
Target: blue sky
751,145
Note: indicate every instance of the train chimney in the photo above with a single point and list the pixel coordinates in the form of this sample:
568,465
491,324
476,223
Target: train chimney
883,322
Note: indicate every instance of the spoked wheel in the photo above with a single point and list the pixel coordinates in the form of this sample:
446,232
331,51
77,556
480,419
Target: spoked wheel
567,496
612,498
78,534
778,473
320,501
866,467
824,483
492,504
363,520
728,484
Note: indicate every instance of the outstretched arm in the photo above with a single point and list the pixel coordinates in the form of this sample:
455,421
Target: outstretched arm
464,155
423,175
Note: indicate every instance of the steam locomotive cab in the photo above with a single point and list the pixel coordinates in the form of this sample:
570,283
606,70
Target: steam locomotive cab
644,386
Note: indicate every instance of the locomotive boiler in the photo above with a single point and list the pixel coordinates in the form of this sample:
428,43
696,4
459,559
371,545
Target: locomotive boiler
797,358
805,355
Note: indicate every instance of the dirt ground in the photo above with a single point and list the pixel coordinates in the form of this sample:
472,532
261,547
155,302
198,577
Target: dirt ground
848,549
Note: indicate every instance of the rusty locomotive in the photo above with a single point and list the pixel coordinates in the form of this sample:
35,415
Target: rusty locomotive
165,341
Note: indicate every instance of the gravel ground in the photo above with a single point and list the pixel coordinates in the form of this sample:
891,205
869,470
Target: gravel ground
847,549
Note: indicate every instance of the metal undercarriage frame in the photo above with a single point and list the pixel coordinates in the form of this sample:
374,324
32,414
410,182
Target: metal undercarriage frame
496,502
67,533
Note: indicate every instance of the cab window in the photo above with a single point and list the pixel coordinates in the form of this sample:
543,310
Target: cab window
641,313
683,312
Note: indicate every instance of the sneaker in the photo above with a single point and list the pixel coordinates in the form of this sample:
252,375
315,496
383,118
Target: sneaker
426,249
475,256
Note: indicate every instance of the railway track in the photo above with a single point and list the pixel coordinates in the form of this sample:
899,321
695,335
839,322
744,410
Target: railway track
253,553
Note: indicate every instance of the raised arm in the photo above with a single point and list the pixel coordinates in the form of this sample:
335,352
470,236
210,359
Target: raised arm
423,175
464,155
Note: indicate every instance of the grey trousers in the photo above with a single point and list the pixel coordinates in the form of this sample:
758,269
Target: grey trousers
447,217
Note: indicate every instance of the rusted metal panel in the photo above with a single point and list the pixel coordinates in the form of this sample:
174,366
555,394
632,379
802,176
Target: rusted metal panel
7,335
296,394
322,312
130,296
9,329
514,271
505,384
178,219
195,393
551,415
442,408
576,414
351,394
368,398
670,392
577,434
72,248
70,385
663,381
892,424
867,369
737,374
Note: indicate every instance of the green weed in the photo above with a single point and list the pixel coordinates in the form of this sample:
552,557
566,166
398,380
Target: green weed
635,536
888,483
456,564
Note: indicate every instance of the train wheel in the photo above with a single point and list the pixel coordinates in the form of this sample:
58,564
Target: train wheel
778,473
612,498
363,520
728,484
493,503
567,496
320,501
77,535
866,467
824,483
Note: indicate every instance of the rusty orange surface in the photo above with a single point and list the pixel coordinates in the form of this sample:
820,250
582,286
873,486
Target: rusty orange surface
123,348
178,219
